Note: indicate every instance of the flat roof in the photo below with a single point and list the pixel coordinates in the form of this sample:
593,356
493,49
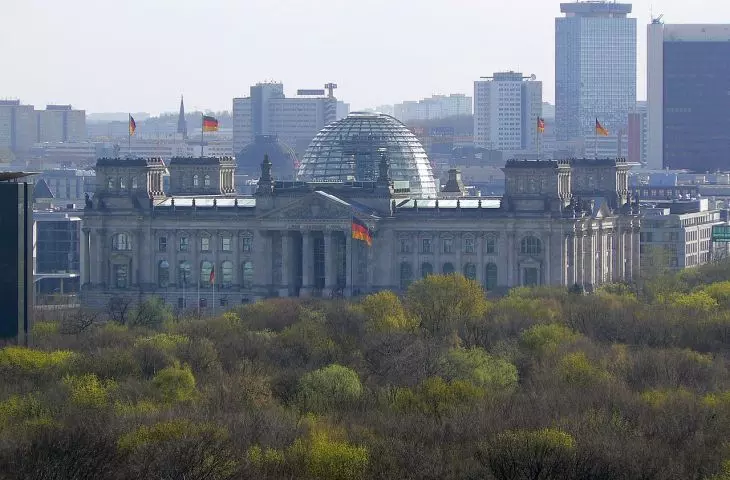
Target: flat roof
7,176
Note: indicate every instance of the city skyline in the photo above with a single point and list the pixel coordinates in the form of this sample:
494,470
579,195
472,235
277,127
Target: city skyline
331,42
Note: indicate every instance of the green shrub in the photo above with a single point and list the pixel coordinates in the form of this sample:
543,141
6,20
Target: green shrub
330,387
546,338
26,360
480,368
88,391
385,313
175,384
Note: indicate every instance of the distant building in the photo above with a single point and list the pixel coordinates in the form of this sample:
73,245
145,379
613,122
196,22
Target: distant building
687,92
18,126
678,234
294,120
506,107
60,123
56,252
595,67
638,134
435,107
16,261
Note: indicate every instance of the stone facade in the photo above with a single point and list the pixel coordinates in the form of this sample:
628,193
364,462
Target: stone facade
559,223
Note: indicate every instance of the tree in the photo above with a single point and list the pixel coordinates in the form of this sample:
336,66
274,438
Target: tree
330,387
385,313
175,384
152,313
478,367
119,308
443,303
546,454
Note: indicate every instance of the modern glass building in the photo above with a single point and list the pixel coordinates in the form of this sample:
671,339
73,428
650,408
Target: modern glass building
350,150
595,67
688,89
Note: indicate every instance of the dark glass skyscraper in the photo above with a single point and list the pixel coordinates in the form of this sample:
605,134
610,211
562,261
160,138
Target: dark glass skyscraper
595,67
689,96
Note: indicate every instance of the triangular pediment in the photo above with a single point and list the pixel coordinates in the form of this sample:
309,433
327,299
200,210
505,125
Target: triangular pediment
314,206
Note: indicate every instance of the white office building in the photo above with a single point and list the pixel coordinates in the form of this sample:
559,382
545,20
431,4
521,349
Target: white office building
435,107
506,108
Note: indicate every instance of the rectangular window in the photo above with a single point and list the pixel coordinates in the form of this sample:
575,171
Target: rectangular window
490,245
184,244
405,245
247,244
162,244
226,244
468,245
448,245
204,244
120,275
426,245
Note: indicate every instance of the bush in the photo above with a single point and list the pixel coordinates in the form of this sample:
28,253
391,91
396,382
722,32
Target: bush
542,339
21,360
330,387
88,391
175,384
478,367
385,313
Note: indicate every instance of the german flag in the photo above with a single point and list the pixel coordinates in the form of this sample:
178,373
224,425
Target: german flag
211,280
210,124
540,125
600,129
132,125
360,231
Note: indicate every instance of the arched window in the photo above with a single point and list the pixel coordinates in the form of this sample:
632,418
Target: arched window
530,246
227,273
206,181
406,275
184,274
120,242
122,183
247,275
110,183
426,269
490,279
205,268
470,271
196,180
163,273
134,183
448,268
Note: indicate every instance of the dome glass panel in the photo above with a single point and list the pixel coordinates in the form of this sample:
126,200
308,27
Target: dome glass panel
350,150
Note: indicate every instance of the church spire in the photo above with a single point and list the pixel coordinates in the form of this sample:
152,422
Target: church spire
182,126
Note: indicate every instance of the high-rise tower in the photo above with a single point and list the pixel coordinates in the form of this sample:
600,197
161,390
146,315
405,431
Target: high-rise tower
182,125
595,67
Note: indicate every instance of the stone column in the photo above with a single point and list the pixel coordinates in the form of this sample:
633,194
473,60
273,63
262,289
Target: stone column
479,244
102,257
136,251
548,263
416,264
592,258
85,257
330,277
307,264
459,245
511,259
635,247
351,261
579,277
437,268
285,264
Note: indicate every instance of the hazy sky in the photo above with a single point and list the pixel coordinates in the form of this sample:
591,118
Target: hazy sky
140,55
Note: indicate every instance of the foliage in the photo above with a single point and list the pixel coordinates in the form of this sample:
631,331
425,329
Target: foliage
546,338
153,312
330,387
175,384
444,302
632,381
539,454
26,360
475,365
88,391
385,313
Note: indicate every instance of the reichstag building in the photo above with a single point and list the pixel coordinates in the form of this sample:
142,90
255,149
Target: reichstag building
201,244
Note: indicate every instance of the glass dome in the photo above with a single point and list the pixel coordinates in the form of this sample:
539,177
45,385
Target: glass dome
350,150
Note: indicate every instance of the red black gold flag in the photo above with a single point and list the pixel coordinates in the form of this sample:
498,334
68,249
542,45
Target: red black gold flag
210,124
211,280
540,125
600,129
132,125
360,231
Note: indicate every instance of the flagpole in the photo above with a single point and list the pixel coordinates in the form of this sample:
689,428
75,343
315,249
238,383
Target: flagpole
202,129
595,141
198,297
537,137
129,136
214,304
